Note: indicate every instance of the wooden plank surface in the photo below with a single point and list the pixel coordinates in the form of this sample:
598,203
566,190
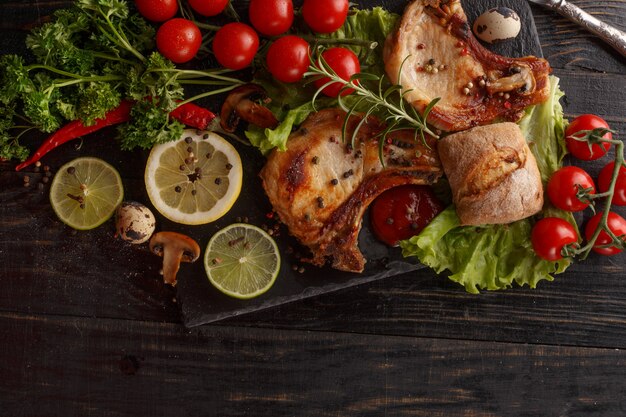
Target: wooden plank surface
80,367
83,338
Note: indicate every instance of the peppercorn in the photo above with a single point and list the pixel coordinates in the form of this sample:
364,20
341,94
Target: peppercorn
315,160
334,181
218,181
188,140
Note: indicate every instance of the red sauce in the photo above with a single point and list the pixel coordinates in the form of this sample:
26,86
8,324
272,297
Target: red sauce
402,212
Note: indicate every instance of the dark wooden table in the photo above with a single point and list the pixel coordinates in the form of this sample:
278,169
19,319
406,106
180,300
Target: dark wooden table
80,337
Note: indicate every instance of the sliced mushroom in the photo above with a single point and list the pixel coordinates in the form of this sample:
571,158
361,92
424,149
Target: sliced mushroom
247,102
520,80
174,248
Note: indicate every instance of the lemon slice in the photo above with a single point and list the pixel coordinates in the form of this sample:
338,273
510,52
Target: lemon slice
85,192
242,261
195,180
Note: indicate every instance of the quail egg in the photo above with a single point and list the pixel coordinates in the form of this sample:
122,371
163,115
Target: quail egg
497,24
134,222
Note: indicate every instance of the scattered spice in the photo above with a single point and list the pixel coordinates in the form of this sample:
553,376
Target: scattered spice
235,241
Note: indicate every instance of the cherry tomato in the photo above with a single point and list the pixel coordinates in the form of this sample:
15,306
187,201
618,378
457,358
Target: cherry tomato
403,211
288,58
581,149
271,17
550,235
325,16
565,183
178,40
208,7
235,45
345,64
604,182
157,10
615,222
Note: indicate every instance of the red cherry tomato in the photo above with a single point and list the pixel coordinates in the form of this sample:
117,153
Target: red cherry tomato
403,211
345,64
581,149
616,223
271,17
235,45
178,40
604,182
550,235
288,58
208,7
565,183
157,10
325,16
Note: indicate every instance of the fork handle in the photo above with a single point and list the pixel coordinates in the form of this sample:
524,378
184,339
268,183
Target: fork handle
613,36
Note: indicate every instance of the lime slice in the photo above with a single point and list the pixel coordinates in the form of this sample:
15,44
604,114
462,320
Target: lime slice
195,180
242,261
85,192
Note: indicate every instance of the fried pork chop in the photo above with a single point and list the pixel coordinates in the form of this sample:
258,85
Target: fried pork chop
436,55
321,186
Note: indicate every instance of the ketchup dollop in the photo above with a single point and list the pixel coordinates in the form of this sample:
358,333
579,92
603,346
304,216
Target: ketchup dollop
402,212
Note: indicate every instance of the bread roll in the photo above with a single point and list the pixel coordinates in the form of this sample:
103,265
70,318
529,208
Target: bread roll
492,173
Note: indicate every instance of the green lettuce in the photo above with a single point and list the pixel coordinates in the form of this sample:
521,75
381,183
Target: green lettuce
492,257
291,103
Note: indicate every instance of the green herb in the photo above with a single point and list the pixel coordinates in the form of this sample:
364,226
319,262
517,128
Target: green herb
386,101
88,58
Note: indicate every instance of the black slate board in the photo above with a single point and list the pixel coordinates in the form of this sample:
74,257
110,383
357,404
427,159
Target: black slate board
201,303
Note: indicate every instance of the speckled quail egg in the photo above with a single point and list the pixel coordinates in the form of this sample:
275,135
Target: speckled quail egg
497,24
134,222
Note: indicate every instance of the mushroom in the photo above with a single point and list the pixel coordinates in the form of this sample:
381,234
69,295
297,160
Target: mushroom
174,248
247,102
520,79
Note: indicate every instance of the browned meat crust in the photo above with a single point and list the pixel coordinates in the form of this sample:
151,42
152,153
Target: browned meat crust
441,58
320,187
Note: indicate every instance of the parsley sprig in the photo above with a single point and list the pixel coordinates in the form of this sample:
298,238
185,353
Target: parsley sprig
87,59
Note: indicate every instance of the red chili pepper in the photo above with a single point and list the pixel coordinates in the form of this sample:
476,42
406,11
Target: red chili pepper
189,114
193,115
76,129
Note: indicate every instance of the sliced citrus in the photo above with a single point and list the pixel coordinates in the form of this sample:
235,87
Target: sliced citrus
85,192
194,180
242,261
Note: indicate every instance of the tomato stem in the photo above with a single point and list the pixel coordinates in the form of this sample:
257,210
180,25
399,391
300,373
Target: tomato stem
617,241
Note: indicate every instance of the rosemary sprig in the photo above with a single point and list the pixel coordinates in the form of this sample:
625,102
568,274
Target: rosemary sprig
388,101
596,136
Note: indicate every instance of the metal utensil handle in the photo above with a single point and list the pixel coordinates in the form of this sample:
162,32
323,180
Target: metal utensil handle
614,37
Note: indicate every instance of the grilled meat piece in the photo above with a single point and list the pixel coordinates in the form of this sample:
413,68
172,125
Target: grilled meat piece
321,186
436,55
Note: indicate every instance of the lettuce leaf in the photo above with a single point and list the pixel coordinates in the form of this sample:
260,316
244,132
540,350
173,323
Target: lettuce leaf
492,257
481,257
